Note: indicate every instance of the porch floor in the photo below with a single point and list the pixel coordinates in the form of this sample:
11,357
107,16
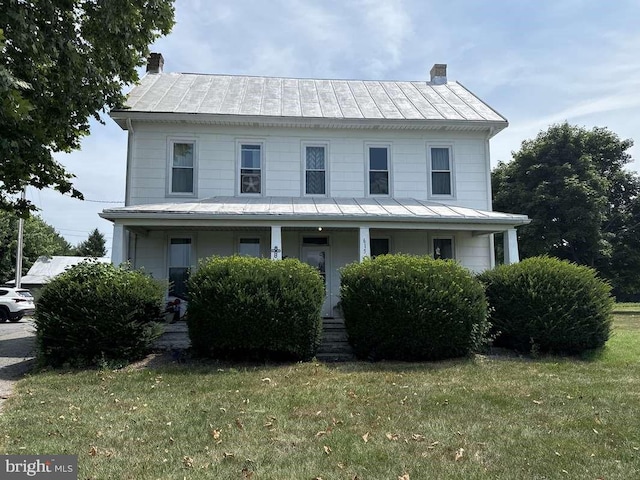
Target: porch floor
334,347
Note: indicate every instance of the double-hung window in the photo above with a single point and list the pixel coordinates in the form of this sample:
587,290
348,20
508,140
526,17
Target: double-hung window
249,247
378,163
251,166
182,165
179,265
441,171
315,173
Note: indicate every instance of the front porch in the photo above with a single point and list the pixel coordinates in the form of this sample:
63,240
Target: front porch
169,240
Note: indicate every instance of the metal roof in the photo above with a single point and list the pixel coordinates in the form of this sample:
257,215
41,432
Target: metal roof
45,268
318,209
275,97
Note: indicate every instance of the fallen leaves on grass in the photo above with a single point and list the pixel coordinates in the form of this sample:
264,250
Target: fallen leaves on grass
187,461
327,449
365,437
392,436
459,454
404,476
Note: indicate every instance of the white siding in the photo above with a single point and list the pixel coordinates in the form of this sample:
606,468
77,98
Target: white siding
283,170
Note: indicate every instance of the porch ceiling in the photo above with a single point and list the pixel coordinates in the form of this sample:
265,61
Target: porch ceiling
383,212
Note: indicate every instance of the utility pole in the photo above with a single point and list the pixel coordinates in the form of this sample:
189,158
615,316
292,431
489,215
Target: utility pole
20,242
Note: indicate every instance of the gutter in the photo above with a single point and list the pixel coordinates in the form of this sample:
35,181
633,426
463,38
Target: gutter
123,117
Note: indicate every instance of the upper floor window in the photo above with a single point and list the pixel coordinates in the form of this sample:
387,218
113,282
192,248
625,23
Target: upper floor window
315,175
251,165
378,160
182,168
441,171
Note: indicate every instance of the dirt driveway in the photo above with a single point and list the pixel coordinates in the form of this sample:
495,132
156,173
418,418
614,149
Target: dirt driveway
17,342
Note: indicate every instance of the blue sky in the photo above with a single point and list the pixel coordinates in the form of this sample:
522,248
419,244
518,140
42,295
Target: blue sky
536,62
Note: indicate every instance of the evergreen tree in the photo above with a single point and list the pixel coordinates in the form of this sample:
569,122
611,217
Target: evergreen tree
93,246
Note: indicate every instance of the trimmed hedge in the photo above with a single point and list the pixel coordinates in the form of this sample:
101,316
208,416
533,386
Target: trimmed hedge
548,305
255,308
96,313
412,308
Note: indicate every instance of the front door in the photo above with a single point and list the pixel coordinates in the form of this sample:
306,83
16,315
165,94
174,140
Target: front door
318,257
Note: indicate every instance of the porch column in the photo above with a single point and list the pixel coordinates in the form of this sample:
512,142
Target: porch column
119,244
511,247
276,243
365,243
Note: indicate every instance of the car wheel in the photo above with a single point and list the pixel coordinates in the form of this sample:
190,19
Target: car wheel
4,315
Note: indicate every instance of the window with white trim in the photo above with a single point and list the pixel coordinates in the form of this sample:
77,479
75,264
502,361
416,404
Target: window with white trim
315,170
179,266
251,164
440,166
182,165
378,166
379,246
443,248
249,247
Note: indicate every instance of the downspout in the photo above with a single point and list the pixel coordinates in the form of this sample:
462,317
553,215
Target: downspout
132,245
487,156
127,191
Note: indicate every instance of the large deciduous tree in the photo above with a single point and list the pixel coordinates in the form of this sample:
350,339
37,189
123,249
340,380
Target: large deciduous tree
63,62
583,204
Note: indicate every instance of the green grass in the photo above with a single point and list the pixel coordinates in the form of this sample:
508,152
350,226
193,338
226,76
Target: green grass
490,417
627,308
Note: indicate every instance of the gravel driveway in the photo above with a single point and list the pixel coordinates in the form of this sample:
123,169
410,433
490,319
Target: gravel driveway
17,342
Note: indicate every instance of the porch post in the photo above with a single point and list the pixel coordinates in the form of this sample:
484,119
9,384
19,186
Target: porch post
365,243
276,243
119,245
511,247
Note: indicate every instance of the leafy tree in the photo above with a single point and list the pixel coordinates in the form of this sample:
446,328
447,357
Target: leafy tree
40,238
584,205
62,62
94,246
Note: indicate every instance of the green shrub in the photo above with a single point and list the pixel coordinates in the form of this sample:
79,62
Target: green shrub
96,313
548,305
412,308
255,308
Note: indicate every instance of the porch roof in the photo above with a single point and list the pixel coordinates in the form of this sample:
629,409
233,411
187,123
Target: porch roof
292,209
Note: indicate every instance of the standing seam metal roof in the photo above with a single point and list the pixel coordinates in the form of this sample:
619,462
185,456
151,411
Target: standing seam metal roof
307,98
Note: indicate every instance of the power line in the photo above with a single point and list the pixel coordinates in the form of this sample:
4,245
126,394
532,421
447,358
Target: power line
102,201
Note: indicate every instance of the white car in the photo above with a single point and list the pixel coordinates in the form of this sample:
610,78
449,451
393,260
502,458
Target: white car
15,303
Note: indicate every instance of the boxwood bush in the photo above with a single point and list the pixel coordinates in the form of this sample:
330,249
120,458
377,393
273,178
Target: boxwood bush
548,305
412,308
95,313
255,308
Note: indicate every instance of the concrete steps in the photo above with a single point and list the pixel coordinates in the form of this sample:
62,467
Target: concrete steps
334,347
175,337
335,344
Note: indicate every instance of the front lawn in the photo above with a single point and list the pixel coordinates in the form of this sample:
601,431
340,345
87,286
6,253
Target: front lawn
495,417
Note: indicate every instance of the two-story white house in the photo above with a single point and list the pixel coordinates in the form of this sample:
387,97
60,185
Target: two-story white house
327,171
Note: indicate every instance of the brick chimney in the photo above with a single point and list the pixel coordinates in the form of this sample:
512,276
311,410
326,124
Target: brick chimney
155,62
439,74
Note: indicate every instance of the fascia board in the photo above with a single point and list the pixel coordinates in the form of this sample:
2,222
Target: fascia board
121,116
